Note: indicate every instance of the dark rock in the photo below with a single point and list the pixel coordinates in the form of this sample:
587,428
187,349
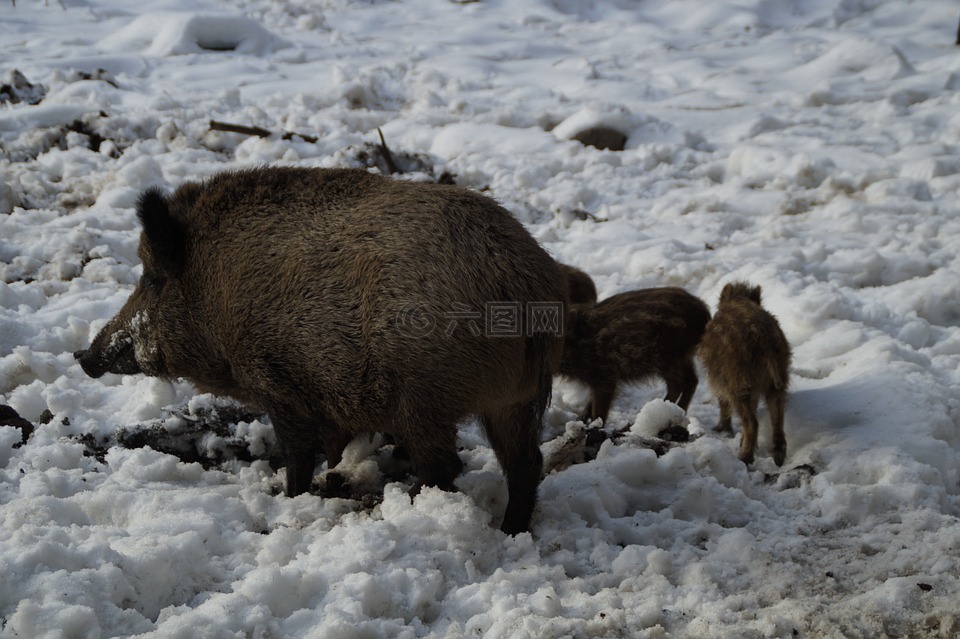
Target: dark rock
10,417
602,137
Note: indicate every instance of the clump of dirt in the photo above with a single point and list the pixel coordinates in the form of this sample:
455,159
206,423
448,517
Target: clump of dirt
10,417
581,444
602,137
15,89
207,437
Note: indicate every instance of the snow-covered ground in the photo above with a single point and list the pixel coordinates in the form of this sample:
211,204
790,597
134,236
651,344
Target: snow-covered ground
809,146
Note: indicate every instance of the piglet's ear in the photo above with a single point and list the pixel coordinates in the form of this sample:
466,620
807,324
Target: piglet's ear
166,238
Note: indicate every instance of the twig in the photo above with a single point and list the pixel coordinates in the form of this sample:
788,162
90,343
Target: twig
238,128
257,131
387,156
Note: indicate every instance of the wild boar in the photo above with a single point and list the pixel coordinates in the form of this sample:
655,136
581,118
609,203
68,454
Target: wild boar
747,356
341,302
632,337
582,289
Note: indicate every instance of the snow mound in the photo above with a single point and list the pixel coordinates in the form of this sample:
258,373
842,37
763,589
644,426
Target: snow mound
179,33
639,128
658,415
861,58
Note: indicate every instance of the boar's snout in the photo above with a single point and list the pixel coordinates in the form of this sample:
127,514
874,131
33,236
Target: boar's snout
90,365
119,359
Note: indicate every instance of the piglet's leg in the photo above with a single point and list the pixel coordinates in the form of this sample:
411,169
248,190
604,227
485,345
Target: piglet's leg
682,384
726,417
746,408
776,403
601,397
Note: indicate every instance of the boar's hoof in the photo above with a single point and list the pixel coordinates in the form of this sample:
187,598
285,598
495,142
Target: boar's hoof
418,486
401,453
779,455
415,490
513,524
675,433
588,418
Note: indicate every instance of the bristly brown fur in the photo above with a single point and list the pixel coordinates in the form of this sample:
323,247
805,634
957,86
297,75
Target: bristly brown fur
632,337
334,300
747,357
582,289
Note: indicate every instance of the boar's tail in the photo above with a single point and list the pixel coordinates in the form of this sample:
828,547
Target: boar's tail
539,363
779,381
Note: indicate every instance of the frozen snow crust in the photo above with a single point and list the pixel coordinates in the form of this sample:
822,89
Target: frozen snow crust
810,147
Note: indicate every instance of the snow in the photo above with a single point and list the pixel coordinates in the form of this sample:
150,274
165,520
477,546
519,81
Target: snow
808,147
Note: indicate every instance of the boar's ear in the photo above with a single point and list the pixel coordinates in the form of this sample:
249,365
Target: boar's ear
727,292
165,236
755,294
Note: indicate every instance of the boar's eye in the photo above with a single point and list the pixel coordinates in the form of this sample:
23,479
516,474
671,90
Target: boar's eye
153,281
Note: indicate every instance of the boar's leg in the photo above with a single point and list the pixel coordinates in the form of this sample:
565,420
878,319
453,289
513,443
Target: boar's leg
587,411
776,403
514,435
300,444
431,442
682,383
440,472
746,407
726,417
301,464
601,397
335,441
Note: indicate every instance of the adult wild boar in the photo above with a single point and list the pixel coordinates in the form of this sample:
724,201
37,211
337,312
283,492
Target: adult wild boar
340,302
747,357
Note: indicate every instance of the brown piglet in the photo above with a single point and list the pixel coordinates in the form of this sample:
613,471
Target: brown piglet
583,292
632,337
747,356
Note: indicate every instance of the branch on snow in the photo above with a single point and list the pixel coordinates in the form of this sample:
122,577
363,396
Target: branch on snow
257,131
